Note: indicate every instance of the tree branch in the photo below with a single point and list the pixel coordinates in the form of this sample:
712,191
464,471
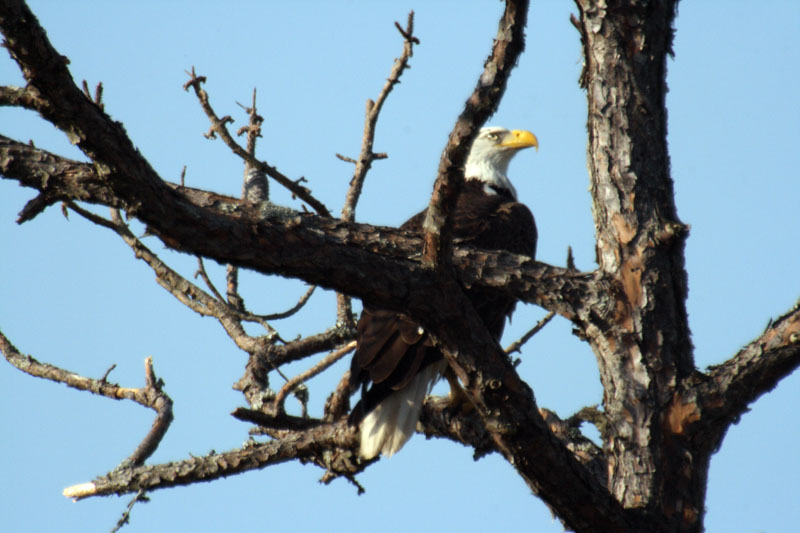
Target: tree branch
294,309
482,103
227,230
367,156
204,304
255,188
309,345
344,309
321,366
508,410
24,97
709,403
182,289
218,127
201,273
332,446
760,365
517,345
126,516
434,301
150,396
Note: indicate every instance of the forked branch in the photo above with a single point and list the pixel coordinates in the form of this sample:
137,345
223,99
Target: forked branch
219,127
150,396
367,156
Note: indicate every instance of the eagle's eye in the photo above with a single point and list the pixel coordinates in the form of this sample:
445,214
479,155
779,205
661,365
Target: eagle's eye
492,136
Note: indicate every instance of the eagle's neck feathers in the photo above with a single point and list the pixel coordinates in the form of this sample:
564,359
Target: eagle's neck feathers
492,172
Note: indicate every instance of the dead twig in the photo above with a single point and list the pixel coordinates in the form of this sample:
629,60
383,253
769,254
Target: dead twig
25,97
219,127
162,404
201,272
126,516
235,299
517,345
97,98
280,421
289,312
323,364
104,379
253,128
182,289
255,189
338,403
240,312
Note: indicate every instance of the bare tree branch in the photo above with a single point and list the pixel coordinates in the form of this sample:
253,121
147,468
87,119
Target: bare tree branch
255,188
759,366
711,402
294,309
126,516
338,403
243,314
24,97
309,345
519,343
322,365
253,131
344,252
97,98
439,420
218,127
367,156
183,290
493,391
150,395
201,272
507,408
331,446
162,404
482,103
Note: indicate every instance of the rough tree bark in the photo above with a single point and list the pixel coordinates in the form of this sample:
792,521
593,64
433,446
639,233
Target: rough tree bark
662,419
642,345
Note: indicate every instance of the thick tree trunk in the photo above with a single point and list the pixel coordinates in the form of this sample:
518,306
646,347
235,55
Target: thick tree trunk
642,343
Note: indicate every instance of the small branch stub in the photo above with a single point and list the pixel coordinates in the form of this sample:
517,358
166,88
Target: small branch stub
80,491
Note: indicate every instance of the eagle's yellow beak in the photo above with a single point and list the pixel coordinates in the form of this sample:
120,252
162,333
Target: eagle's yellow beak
519,139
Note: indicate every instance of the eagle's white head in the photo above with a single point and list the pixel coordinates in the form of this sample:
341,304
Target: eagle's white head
491,153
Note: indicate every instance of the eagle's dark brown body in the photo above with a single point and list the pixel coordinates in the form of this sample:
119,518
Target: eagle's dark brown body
392,347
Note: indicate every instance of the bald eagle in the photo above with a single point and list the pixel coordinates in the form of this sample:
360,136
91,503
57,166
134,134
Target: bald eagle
394,352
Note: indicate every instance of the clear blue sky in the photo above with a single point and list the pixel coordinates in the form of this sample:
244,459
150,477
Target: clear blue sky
72,294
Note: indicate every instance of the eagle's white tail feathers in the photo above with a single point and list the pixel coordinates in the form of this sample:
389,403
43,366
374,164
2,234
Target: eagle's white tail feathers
392,422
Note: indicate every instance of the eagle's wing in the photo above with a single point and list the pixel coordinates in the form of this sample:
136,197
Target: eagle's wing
395,353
